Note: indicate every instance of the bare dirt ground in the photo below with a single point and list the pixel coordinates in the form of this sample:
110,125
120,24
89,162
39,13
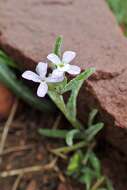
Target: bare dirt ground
25,148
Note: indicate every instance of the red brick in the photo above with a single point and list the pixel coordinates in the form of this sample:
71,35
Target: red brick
28,29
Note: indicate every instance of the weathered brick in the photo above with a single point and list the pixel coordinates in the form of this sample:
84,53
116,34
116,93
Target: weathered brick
28,29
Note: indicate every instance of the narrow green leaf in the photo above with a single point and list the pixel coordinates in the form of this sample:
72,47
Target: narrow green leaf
53,133
58,100
75,163
83,76
75,85
58,44
70,136
92,116
20,90
7,60
95,163
59,133
87,177
91,132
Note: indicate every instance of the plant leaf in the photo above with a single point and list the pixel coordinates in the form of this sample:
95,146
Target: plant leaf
4,59
70,135
58,44
10,80
92,116
80,78
75,85
59,133
87,177
91,132
75,163
95,163
53,133
58,100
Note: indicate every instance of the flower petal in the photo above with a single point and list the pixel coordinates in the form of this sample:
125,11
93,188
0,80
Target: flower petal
57,72
41,69
54,58
29,75
68,56
74,70
42,89
53,78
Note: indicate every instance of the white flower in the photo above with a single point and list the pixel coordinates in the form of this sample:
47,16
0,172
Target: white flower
63,65
40,77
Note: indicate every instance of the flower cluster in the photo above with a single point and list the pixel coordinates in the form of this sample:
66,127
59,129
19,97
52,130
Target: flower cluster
57,75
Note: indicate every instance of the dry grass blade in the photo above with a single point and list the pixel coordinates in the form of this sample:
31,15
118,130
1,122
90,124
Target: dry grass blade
16,149
17,181
57,122
37,168
7,126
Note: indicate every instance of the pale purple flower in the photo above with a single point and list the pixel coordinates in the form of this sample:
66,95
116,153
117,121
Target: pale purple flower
40,77
63,65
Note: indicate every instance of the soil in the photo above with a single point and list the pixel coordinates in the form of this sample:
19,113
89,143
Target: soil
23,134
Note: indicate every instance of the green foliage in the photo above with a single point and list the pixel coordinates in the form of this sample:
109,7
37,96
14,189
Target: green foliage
7,60
53,133
75,163
119,7
70,136
92,116
74,86
86,168
84,165
58,45
69,109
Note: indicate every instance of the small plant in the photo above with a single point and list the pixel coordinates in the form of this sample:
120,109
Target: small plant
84,164
119,7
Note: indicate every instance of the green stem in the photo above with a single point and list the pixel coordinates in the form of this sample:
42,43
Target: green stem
58,100
74,147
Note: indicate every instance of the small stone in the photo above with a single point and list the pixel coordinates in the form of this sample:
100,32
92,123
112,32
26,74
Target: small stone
6,101
32,185
63,186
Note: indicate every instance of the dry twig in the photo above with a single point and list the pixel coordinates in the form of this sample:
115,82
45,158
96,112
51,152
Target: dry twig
57,122
7,126
46,167
16,149
17,181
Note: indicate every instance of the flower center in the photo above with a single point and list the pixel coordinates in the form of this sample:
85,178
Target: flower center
61,65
